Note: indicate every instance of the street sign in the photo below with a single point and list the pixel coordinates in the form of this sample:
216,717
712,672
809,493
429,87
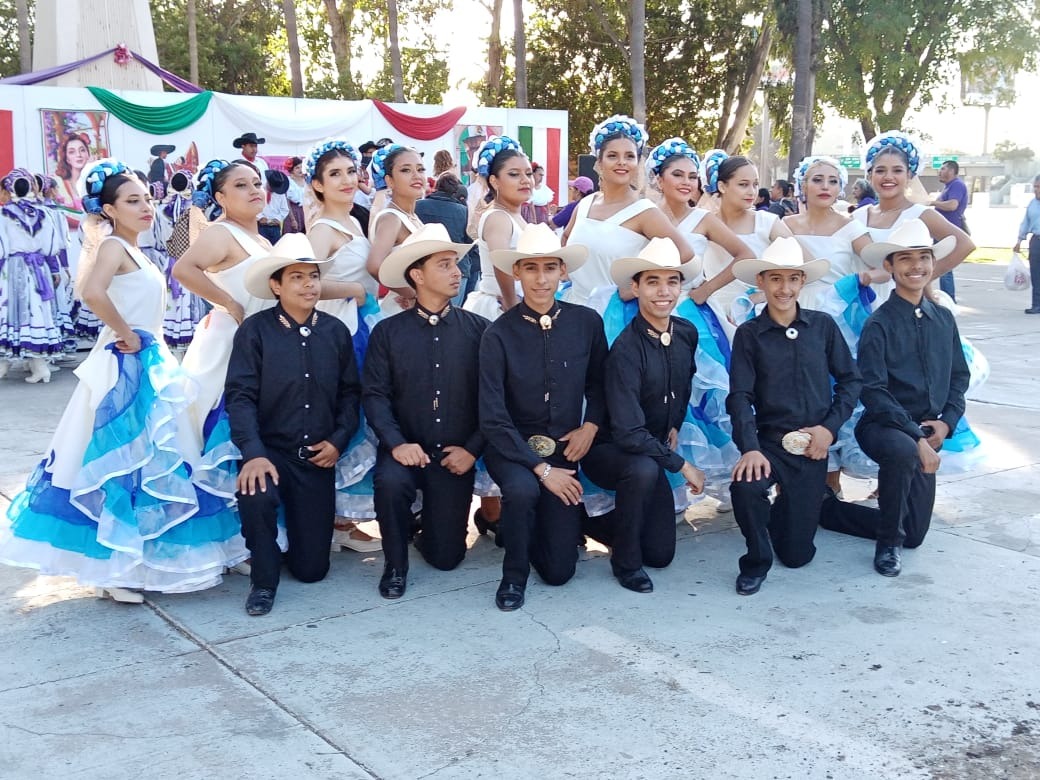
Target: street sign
850,162
938,161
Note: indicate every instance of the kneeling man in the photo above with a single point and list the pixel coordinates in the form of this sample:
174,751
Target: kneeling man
784,410
648,384
292,397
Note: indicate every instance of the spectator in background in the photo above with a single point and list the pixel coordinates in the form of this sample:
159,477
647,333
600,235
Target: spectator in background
1031,227
577,189
295,223
762,201
537,208
277,208
250,144
862,195
160,171
447,205
951,204
782,195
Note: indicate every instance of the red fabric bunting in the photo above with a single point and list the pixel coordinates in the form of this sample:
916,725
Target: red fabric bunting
421,128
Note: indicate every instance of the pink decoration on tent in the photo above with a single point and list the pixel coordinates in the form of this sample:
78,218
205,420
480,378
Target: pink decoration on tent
122,55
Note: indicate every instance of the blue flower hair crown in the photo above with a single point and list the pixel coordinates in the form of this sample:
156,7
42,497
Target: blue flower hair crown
489,150
710,170
378,164
671,148
808,162
898,140
310,162
203,195
92,181
619,123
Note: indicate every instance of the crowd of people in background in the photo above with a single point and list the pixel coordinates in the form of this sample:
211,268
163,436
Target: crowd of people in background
367,342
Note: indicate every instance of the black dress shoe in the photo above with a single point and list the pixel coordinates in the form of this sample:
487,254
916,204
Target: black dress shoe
260,601
393,583
636,580
509,596
886,561
748,585
1033,310
485,526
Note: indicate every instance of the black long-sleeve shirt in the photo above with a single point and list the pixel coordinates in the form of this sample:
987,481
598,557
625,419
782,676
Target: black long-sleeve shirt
535,381
780,378
420,381
648,387
290,385
913,366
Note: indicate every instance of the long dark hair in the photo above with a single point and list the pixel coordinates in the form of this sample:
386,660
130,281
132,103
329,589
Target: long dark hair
62,168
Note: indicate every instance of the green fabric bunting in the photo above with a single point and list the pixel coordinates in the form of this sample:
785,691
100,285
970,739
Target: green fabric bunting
155,120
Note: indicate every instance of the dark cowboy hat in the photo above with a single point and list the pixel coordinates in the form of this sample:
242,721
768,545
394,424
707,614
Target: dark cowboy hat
247,138
277,181
160,148
368,146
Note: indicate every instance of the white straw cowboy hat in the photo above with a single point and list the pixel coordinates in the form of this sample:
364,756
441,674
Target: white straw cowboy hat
912,234
784,254
291,248
539,240
661,254
426,241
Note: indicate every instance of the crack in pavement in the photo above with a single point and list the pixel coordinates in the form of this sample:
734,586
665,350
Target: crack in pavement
537,667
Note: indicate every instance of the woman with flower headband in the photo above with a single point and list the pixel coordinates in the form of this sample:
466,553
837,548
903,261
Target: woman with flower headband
506,172
331,170
63,282
30,325
706,436
615,222
113,503
733,181
891,161
401,172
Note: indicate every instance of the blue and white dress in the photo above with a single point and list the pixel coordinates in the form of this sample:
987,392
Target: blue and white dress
113,503
486,299
354,488
961,452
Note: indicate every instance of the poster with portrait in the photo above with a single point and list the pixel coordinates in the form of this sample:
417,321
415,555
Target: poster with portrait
71,139
468,139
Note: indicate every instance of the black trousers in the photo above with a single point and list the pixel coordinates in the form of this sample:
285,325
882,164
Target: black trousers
307,494
906,495
536,528
789,525
641,528
445,511
1034,269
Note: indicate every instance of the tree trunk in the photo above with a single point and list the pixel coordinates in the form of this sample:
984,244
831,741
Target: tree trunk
193,42
746,95
493,86
340,23
395,51
801,108
289,7
866,124
520,53
24,44
637,57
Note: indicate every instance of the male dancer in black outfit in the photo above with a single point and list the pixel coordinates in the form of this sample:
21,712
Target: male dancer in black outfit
292,397
541,362
648,384
420,396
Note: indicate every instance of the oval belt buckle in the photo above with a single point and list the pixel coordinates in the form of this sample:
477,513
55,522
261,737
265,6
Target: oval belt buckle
542,446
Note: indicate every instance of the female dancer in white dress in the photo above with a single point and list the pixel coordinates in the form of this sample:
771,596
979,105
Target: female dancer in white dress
506,171
734,181
615,222
113,503
845,292
706,437
891,161
331,171
402,172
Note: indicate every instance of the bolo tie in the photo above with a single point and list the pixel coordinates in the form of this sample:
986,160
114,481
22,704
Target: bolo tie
545,322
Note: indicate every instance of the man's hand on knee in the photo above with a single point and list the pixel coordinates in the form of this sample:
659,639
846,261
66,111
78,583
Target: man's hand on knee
752,465
253,475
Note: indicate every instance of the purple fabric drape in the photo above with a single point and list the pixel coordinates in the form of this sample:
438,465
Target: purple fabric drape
37,264
37,76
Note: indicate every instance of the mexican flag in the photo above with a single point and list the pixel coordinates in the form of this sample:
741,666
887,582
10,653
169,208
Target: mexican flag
542,145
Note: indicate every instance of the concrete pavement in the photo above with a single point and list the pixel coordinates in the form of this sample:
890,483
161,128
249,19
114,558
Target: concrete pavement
829,672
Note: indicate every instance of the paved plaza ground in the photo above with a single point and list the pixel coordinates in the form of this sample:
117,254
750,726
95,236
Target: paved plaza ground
831,671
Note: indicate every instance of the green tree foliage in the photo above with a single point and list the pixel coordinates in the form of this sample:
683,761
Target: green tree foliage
239,47
696,55
9,38
880,56
425,78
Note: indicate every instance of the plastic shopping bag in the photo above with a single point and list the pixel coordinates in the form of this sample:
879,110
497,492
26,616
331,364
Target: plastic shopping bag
1017,276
